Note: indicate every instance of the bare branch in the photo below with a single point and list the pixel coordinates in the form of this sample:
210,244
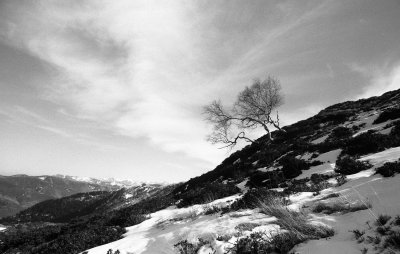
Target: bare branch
252,109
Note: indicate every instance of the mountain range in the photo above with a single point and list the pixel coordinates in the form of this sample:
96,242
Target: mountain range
18,192
329,182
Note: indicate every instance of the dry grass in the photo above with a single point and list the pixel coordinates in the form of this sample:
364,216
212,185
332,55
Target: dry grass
340,206
296,224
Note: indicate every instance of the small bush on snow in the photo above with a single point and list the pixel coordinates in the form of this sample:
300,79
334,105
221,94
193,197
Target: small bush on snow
186,247
383,219
393,241
340,206
389,169
347,165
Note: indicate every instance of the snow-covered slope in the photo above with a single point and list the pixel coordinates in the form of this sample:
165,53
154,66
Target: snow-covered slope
168,227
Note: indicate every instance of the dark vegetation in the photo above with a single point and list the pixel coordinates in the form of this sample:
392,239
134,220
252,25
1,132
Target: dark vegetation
389,169
207,193
347,165
61,210
339,206
185,247
388,114
82,232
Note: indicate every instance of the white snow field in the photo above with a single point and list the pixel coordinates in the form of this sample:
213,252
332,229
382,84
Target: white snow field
167,227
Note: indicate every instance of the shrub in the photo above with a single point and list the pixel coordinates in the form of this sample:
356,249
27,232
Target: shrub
396,129
389,169
304,185
261,242
347,165
388,114
292,167
246,226
340,132
396,221
270,179
366,143
318,178
393,241
342,207
357,233
207,193
383,230
252,198
341,179
186,247
383,219
296,223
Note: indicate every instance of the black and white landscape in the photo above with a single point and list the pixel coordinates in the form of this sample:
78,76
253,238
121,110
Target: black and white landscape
199,127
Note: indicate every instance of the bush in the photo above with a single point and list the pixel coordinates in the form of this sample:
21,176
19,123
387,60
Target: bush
340,132
296,223
270,179
388,114
282,242
383,219
252,198
186,247
292,167
393,241
342,207
207,193
365,143
389,169
347,165
304,185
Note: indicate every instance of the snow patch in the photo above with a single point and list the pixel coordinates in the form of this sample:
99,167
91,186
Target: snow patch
320,169
378,159
330,156
320,140
242,186
128,195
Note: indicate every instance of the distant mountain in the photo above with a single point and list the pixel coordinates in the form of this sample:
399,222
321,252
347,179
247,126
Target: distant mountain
19,192
64,209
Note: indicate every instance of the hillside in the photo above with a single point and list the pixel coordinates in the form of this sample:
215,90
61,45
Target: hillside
333,176
19,192
65,209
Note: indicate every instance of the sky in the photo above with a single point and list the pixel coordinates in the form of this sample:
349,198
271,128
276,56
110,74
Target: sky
116,88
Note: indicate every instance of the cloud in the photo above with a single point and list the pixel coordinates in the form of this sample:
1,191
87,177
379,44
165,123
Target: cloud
143,69
381,79
132,66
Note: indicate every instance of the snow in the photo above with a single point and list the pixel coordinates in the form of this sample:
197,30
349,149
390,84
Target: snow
2,228
242,186
306,156
330,156
368,119
378,159
320,169
320,140
167,227
381,193
128,195
265,169
164,228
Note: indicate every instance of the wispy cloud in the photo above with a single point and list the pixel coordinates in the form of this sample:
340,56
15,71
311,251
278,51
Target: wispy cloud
381,79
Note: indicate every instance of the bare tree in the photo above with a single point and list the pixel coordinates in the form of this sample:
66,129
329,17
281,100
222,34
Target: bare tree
253,108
